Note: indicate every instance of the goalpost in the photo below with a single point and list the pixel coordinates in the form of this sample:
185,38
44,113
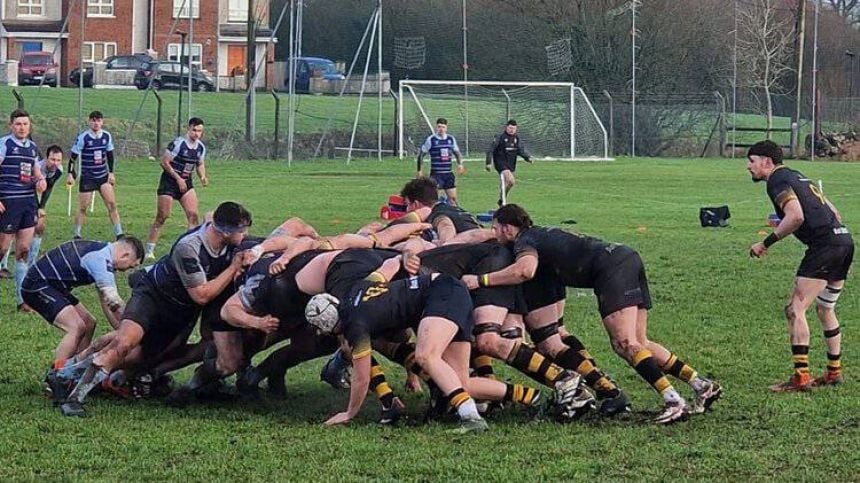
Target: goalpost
556,119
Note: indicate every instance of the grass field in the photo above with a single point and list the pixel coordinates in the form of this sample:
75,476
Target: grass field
714,306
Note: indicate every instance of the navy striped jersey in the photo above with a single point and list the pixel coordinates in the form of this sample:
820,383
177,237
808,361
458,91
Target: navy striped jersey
441,150
17,159
190,263
76,263
92,150
185,156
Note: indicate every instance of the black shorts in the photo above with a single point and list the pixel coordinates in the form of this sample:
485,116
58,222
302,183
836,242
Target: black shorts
211,313
167,187
545,289
89,184
155,343
505,165
621,281
444,181
20,214
155,313
47,300
827,262
448,298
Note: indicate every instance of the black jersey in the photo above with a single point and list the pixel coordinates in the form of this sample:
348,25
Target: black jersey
276,295
461,259
505,149
462,219
572,257
373,309
352,266
820,226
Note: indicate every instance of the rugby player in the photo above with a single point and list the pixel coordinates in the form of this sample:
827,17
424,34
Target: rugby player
423,205
502,155
52,169
806,213
184,156
441,145
20,173
96,151
548,260
168,298
494,306
48,286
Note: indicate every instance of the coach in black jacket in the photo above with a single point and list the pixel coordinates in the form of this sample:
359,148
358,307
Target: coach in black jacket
503,153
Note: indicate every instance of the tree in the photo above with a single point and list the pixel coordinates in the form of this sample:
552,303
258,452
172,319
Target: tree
765,48
847,9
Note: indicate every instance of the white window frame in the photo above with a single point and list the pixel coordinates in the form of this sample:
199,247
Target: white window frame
90,51
237,11
30,5
173,54
105,8
183,11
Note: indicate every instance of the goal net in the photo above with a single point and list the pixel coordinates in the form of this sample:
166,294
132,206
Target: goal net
556,120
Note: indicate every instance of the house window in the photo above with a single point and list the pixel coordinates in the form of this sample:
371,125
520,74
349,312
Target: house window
100,8
31,7
196,54
180,8
98,51
237,11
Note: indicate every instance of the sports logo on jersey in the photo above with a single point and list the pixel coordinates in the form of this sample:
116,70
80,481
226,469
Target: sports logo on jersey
413,282
191,265
109,266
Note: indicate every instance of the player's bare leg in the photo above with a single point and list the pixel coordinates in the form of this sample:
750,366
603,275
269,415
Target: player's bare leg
189,205
163,205
826,311
109,197
804,293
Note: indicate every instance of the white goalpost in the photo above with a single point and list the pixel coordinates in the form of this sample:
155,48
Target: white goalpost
556,119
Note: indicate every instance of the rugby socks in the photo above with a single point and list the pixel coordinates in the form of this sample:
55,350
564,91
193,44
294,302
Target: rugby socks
150,249
483,366
34,250
379,385
465,406
593,377
117,229
679,369
20,273
833,338
800,356
647,368
77,231
527,396
533,364
574,343
4,264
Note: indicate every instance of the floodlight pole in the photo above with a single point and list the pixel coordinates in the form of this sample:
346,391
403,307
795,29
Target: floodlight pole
190,55
815,119
81,68
251,98
379,84
633,5
466,76
182,36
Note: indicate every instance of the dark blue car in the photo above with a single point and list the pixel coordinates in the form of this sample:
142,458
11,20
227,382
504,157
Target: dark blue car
308,67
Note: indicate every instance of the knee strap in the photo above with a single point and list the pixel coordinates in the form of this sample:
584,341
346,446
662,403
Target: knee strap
827,298
485,328
512,333
543,333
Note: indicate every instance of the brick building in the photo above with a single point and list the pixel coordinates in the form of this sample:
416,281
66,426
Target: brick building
217,33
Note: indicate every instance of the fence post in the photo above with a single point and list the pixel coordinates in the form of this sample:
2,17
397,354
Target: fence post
18,98
793,141
157,123
277,124
611,123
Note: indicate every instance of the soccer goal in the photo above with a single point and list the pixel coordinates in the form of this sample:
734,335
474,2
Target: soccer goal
556,119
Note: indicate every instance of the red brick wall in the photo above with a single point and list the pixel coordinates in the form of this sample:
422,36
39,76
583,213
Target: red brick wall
205,30
97,29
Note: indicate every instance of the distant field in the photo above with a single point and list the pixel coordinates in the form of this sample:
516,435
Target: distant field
714,306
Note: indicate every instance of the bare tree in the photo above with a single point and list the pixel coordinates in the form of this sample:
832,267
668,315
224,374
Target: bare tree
847,9
765,48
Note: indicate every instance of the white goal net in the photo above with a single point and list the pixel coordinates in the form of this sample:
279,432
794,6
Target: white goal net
556,119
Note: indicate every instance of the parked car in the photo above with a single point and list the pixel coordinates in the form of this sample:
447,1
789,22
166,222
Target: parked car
171,74
134,61
308,67
36,66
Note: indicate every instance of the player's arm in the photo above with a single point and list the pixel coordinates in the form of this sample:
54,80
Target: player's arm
425,148
110,159
359,383
100,267
193,278
201,172
444,228
43,200
417,216
295,227
39,179
458,156
522,270
74,152
236,313
492,149
387,270
477,235
166,158
523,152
